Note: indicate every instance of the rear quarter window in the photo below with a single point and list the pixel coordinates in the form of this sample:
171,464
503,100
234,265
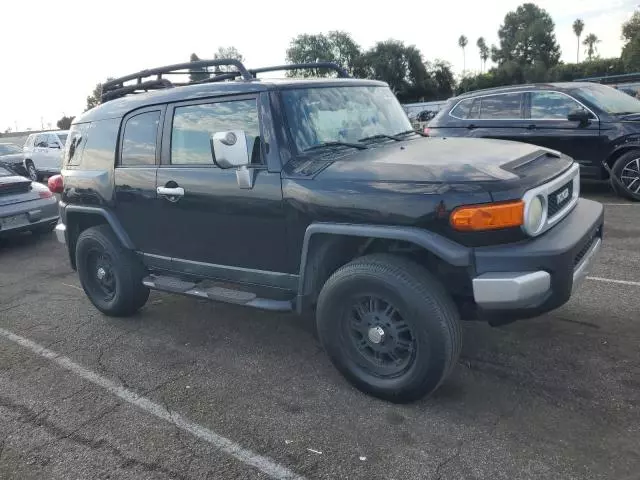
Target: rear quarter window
93,145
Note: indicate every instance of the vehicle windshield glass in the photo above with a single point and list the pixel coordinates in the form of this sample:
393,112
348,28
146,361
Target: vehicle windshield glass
4,172
342,114
612,101
6,149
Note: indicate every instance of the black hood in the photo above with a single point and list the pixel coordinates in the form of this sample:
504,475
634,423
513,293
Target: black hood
12,158
451,161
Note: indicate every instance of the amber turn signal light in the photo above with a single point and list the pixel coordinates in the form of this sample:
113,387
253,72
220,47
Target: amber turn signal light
488,217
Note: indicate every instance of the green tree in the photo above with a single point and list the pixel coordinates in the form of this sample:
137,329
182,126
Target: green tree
442,76
64,123
336,46
462,43
484,53
527,37
578,27
400,66
590,42
227,53
631,51
197,73
93,100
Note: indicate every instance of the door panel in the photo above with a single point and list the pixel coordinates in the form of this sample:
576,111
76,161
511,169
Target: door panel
548,113
135,179
215,221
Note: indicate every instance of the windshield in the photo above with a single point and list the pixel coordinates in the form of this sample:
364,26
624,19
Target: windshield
612,101
7,148
342,114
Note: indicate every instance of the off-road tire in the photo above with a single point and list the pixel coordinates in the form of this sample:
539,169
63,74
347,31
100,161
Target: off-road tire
621,189
127,272
425,306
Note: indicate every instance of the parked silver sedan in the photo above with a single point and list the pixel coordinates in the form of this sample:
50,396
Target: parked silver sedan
25,205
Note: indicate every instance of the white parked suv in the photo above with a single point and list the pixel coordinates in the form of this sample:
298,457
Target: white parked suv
43,153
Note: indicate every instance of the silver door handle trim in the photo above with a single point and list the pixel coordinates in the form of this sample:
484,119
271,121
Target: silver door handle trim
171,192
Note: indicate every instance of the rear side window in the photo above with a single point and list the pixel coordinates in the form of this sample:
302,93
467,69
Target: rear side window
501,107
466,109
139,139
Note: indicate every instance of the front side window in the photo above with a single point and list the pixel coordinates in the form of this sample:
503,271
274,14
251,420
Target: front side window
62,137
552,105
501,107
193,126
342,114
139,139
42,141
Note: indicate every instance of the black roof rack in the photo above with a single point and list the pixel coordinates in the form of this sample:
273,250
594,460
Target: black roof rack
116,88
342,73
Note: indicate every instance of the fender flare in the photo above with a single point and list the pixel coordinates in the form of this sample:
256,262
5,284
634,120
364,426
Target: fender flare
108,215
448,250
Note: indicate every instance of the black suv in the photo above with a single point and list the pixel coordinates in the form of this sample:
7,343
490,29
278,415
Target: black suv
597,125
316,196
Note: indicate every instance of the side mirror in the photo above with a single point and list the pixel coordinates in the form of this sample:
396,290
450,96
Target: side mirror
581,116
229,149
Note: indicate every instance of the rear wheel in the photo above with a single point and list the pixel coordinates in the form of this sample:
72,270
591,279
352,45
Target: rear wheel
110,275
31,171
389,326
626,171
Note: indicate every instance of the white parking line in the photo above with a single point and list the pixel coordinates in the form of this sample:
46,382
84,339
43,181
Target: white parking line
621,204
245,456
611,280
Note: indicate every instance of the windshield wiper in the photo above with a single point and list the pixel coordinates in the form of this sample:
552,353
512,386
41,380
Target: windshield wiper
359,146
407,132
379,136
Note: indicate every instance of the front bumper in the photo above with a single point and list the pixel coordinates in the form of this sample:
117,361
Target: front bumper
539,275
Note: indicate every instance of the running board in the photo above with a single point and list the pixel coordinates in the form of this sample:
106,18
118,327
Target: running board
215,293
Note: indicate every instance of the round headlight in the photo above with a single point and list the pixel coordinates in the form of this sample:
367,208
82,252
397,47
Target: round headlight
534,216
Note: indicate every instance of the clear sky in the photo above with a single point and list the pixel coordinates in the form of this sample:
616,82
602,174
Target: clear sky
53,53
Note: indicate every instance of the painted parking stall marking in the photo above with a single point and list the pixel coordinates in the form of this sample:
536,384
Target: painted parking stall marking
264,464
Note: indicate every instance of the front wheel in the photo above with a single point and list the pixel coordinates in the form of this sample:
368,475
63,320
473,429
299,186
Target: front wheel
32,172
110,275
626,171
389,327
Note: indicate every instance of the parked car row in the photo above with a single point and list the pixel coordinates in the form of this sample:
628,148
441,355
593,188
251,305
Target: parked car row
39,157
597,125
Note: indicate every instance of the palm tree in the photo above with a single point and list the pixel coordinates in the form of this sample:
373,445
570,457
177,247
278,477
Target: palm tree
462,43
484,52
578,27
590,42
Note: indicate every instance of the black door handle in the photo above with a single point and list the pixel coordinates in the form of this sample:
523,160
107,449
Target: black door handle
531,127
471,127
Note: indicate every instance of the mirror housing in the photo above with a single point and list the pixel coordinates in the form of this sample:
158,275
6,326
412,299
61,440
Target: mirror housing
229,149
581,116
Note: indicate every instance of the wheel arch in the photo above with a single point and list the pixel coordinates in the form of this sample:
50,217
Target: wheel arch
328,246
78,218
618,152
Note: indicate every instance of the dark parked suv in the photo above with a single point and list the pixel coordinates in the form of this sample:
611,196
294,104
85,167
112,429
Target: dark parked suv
597,125
316,196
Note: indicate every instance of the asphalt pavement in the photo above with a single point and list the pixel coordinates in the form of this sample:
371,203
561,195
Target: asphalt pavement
191,389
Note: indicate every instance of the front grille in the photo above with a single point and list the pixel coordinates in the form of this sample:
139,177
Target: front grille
583,251
554,203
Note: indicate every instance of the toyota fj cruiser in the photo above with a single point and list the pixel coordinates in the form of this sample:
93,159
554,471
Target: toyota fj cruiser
315,195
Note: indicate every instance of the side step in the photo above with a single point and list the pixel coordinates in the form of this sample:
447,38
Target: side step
216,293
